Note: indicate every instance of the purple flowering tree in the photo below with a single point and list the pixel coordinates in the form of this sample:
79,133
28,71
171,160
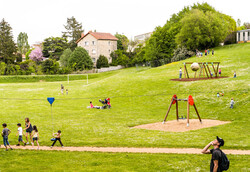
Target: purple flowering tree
36,55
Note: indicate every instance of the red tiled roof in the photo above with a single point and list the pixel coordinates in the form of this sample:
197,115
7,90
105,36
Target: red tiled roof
99,36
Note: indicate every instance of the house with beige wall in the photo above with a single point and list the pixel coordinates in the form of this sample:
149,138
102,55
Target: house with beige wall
98,43
243,36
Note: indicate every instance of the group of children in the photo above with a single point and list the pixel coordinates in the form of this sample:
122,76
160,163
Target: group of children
30,131
207,52
62,90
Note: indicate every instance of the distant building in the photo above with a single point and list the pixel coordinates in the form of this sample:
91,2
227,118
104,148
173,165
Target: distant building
143,37
97,43
243,36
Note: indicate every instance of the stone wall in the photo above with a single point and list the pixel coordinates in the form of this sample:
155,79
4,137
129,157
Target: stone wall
109,68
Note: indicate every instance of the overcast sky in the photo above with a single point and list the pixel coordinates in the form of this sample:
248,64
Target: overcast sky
44,18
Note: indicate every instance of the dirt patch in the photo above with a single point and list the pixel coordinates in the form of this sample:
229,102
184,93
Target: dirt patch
196,79
181,125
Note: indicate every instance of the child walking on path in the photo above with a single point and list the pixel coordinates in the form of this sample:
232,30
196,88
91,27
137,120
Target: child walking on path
28,129
20,135
5,134
57,137
35,136
232,103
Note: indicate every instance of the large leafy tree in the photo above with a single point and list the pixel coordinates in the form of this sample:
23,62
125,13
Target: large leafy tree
64,59
53,47
80,59
122,43
22,43
7,45
73,32
186,27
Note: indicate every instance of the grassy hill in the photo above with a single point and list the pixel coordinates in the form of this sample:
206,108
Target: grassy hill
137,97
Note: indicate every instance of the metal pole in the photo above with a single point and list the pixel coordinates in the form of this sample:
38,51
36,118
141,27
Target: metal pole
52,119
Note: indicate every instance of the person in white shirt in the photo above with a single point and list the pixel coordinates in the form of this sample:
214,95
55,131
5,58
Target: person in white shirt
20,135
180,73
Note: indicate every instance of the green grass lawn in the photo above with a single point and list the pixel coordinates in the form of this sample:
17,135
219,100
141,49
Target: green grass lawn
91,161
137,97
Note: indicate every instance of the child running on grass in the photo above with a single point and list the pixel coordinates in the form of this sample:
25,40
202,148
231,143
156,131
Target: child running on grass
28,129
5,134
35,136
20,135
57,137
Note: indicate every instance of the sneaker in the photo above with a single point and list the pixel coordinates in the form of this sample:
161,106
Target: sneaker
18,145
37,148
27,143
11,148
62,146
24,144
6,149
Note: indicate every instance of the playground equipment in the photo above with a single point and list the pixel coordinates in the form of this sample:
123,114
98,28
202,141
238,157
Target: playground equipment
204,69
190,101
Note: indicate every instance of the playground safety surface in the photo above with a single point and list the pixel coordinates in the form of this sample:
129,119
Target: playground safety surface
181,125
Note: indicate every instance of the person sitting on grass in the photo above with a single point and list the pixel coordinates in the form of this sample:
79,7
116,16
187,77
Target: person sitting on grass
92,106
5,134
218,94
20,135
106,103
35,136
57,137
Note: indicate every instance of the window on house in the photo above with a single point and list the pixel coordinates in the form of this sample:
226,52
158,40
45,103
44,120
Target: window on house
93,51
109,43
86,43
93,42
93,60
109,51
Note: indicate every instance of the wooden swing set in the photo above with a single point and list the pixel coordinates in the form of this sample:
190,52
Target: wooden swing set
204,69
190,101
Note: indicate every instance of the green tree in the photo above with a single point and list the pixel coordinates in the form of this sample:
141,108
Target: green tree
119,58
64,59
122,43
80,59
7,44
102,62
27,57
53,47
73,32
22,43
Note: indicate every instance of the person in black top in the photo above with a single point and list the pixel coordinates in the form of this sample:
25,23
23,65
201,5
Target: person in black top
216,154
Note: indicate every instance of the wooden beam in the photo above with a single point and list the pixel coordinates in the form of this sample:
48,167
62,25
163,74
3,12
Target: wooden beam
168,111
209,70
187,114
197,113
205,70
186,70
215,73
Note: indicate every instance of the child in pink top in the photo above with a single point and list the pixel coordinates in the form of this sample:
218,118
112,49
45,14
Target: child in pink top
219,71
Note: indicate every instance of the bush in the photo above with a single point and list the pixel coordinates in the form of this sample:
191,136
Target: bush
80,59
102,62
64,59
181,53
50,67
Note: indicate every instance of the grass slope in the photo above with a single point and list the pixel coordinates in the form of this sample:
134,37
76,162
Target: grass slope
89,161
91,127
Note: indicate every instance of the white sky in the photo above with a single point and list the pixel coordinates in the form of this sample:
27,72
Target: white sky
44,18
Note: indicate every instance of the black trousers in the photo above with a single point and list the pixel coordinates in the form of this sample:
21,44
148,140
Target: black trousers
59,139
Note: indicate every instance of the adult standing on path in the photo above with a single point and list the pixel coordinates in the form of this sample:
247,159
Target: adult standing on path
180,73
216,154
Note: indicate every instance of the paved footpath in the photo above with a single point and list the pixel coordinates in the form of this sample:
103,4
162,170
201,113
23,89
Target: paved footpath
132,150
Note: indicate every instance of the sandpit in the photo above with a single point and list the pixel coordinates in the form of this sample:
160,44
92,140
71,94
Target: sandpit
181,125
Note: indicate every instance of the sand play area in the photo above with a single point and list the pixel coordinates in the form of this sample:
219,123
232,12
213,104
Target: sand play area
181,125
